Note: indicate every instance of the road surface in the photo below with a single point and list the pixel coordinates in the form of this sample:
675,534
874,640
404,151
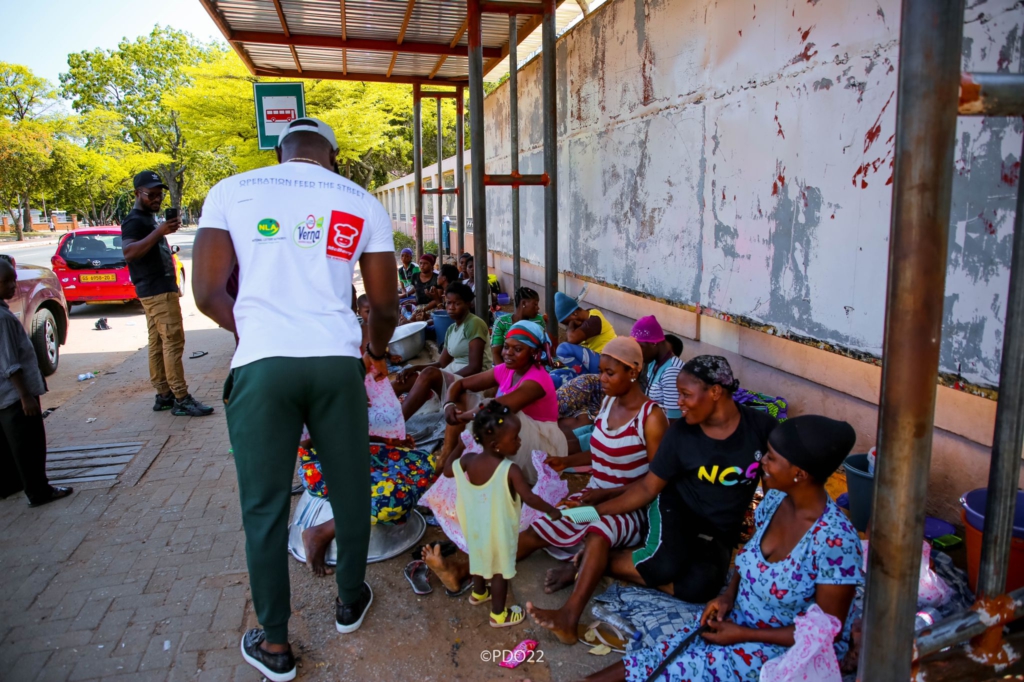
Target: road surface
90,350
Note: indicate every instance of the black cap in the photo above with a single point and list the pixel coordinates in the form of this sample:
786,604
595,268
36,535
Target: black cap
149,179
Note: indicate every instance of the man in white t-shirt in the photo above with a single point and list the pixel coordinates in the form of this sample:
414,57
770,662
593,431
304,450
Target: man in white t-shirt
297,230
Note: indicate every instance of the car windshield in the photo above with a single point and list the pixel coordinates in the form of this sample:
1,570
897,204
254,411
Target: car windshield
93,251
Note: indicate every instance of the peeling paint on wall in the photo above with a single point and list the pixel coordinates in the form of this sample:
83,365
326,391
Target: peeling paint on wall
739,159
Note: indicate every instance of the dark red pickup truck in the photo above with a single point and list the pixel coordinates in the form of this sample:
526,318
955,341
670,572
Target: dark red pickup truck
40,305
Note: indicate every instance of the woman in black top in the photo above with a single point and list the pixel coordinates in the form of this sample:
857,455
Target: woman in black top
698,488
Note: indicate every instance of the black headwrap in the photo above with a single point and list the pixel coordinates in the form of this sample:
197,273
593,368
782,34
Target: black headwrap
712,370
816,444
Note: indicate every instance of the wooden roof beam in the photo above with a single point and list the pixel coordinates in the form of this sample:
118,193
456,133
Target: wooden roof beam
226,31
455,41
365,77
299,40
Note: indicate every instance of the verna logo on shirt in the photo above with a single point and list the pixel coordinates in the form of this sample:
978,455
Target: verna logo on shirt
309,232
343,235
268,227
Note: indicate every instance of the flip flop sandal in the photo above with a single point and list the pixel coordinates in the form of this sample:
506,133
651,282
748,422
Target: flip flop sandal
512,615
466,587
474,600
198,354
416,573
615,641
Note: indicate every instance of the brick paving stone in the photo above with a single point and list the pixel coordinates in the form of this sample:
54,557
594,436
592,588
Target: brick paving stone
27,666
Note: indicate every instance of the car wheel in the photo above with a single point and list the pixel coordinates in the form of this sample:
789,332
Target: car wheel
46,341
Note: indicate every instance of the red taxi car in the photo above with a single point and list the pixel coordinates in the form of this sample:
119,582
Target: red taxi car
91,267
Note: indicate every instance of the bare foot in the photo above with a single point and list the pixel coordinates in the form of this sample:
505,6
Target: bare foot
557,621
446,569
315,541
559,578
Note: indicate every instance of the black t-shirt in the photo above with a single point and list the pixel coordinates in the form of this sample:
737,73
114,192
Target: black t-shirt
423,288
716,479
152,274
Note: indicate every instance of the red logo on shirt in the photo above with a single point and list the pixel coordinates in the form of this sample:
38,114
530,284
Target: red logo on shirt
343,235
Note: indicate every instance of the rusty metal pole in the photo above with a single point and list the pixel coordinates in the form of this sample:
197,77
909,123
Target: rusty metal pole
1004,470
513,117
460,172
926,111
417,166
549,114
476,154
438,223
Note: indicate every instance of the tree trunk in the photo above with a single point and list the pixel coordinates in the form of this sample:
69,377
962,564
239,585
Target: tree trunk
26,219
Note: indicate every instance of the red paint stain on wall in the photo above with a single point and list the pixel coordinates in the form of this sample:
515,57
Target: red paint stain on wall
804,34
806,55
876,130
780,132
1011,173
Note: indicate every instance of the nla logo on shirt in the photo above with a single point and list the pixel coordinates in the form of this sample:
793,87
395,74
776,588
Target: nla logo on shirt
309,232
268,229
343,235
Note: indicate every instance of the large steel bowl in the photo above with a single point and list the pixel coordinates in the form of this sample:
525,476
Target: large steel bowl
408,340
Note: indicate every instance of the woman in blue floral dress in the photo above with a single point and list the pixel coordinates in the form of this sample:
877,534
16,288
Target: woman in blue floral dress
803,551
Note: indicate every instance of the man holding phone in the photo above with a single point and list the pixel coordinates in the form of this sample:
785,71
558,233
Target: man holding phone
152,271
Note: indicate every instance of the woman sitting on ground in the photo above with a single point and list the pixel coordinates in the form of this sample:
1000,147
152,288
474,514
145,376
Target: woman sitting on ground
465,354
661,364
700,482
527,308
448,274
803,552
587,332
627,434
525,388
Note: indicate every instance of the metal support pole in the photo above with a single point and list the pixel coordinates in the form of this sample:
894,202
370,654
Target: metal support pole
460,174
513,116
1004,470
930,35
438,223
549,114
991,94
476,153
417,166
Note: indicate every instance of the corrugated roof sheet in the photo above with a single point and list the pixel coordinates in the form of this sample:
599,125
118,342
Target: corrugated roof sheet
353,38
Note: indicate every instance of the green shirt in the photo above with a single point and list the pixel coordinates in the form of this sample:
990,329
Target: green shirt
503,324
456,342
405,275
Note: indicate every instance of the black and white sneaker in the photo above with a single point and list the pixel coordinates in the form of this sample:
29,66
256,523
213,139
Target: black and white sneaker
163,402
190,407
275,667
350,616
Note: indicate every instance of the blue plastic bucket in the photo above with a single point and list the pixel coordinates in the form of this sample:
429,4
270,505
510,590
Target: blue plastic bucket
861,487
441,323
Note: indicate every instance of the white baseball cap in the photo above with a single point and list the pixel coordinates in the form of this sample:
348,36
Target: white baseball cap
313,125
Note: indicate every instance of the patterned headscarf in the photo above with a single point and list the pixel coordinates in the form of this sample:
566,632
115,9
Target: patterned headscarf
527,333
712,370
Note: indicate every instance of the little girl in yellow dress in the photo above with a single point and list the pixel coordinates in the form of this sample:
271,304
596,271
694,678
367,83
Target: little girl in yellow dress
491,490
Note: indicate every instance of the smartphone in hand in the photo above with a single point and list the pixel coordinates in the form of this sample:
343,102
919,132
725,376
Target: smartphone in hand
171,213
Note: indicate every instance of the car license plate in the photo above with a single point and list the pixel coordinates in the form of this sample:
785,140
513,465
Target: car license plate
99,278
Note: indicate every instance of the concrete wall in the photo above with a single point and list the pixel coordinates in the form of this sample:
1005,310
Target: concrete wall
738,155
730,163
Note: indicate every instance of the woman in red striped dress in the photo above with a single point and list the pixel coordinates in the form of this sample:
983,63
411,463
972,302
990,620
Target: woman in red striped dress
626,435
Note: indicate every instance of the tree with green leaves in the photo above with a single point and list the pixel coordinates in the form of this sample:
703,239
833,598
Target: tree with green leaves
132,81
25,141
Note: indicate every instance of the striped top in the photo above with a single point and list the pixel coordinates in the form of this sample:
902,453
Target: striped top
618,456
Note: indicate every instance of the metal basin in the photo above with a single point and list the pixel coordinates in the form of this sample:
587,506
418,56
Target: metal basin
408,340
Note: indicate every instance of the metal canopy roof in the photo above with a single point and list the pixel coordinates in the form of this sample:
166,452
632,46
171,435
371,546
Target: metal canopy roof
393,41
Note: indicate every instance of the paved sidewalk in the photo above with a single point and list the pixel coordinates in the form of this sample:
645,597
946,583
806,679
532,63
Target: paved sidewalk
149,582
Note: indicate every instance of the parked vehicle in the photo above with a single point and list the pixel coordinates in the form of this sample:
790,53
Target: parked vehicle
91,267
39,304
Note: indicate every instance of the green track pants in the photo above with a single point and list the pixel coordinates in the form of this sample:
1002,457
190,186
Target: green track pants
268,401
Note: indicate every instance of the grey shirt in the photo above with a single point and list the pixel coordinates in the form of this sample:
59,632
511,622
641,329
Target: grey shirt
16,352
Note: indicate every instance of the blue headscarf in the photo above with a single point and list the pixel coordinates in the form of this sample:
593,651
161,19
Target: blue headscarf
527,333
